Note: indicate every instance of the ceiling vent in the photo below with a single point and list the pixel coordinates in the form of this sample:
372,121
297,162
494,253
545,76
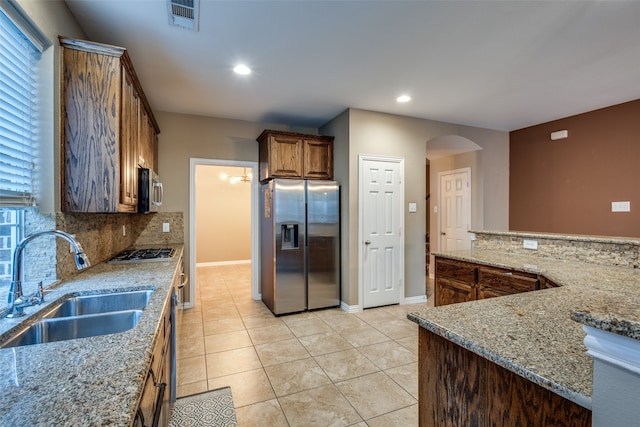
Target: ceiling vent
184,13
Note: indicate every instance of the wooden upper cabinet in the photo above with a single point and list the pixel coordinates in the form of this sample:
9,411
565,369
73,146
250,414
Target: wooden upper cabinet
318,159
294,155
107,128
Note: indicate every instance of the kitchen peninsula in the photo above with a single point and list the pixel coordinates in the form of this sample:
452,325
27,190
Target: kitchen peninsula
520,358
89,381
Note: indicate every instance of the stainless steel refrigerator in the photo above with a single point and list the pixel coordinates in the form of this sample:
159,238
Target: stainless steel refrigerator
300,244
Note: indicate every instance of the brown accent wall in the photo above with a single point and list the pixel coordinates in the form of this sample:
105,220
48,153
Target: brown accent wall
567,186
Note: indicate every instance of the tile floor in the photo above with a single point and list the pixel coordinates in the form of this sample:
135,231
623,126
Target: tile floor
321,368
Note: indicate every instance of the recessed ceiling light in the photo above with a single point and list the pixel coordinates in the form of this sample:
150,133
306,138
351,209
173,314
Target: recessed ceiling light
242,69
403,98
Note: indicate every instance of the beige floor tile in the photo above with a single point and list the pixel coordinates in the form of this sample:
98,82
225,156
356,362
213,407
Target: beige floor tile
190,330
273,333
388,354
299,375
227,341
406,376
410,343
406,417
329,342
225,317
267,413
218,313
189,347
191,370
309,326
397,328
231,362
251,322
191,388
221,326
346,364
247,387
323,406
375,394
277,352
363,335
345,321
375,315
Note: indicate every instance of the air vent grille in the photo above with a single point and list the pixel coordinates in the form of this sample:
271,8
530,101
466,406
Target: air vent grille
184,13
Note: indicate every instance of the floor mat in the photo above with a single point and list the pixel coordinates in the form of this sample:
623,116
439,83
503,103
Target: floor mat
212,408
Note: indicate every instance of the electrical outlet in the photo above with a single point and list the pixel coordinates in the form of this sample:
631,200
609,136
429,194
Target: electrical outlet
530,244
165,227
124,230
620,206
71,250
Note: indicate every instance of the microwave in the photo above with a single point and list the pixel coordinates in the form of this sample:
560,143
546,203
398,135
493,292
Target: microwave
150,192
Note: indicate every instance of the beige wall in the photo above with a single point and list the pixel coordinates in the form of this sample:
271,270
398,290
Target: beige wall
184,136
382,134
223,215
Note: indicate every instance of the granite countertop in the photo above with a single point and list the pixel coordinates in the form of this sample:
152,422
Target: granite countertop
87,381
533,334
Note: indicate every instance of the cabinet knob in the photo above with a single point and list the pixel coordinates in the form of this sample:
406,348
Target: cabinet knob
442,233
367,242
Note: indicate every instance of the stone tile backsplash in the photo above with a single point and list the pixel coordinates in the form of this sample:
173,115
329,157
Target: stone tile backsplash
101,235
624,252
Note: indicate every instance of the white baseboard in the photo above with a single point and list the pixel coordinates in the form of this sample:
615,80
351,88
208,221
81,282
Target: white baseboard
213,264
415,300
350,308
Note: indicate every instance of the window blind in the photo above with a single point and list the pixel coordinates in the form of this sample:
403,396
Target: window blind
20,49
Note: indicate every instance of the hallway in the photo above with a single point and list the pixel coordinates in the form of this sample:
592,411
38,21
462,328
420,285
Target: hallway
321,368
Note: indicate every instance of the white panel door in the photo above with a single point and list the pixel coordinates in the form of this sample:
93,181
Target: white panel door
381,190
455,211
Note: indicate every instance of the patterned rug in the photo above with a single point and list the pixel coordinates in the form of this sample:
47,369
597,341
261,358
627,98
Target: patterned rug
211,409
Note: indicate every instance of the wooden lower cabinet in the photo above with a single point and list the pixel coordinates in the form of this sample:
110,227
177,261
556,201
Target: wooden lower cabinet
459,388
154,408
460,281
451,291
495,282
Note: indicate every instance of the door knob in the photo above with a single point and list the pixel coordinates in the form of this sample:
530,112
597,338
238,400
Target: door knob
367,242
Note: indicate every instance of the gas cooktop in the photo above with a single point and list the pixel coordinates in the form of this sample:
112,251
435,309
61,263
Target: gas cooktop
143,255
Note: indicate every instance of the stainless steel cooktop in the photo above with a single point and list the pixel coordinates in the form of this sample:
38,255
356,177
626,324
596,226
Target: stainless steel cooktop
143,255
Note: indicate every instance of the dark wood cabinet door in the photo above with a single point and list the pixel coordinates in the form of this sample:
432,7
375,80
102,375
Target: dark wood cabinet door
449,291
318,159
494,282
285,156
90,94
129,146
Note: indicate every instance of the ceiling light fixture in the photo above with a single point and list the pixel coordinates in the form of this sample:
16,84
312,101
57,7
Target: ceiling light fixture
242,69
245,177
403,98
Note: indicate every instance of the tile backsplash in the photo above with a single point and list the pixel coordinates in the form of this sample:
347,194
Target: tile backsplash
101,235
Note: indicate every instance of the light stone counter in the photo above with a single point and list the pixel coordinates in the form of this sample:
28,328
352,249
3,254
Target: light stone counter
89,381
533,334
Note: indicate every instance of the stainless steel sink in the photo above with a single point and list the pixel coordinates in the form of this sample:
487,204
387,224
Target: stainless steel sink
85,316
66,328
102,303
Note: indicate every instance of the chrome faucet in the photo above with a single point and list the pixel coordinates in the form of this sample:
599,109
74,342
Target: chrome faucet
17,301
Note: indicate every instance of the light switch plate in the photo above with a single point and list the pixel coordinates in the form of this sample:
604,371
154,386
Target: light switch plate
530,244
413,207
620,206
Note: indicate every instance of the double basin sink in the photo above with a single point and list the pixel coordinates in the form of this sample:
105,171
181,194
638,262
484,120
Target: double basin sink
85,316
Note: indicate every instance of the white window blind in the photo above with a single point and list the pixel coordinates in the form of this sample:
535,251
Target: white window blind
21,44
